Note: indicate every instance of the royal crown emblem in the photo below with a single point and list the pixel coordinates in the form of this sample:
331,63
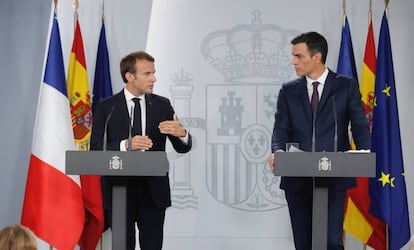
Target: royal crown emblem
324,164
115,163
249,51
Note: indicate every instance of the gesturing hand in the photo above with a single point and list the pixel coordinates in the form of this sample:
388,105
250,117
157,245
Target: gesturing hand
172,127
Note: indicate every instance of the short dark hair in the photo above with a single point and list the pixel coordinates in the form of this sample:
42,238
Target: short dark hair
315,42
127,63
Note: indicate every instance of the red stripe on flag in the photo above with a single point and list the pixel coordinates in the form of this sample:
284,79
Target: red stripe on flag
369,56
53,206
77,46
94,224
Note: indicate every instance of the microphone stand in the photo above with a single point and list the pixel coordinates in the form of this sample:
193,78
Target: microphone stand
336,125
105,140
130,131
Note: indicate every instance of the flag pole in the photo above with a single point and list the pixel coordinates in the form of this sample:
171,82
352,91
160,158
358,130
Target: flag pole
364,245
55,11
387,236
103,19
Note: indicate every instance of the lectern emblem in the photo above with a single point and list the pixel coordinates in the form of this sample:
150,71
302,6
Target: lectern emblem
115,163
324,164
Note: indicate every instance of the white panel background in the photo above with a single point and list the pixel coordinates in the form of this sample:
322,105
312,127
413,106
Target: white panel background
172,31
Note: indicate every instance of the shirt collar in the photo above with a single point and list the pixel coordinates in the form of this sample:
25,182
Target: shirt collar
129,96
321,79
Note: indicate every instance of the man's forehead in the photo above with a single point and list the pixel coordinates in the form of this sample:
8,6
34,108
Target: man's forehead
144,65
300,48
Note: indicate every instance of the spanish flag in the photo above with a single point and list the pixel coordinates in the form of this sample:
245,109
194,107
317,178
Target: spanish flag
358,221
81,111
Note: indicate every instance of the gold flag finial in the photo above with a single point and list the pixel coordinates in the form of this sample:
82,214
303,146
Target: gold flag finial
344,7
386,7
55,7
344,12
75,5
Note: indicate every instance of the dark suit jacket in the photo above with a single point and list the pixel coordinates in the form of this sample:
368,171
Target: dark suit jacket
293,123
158,109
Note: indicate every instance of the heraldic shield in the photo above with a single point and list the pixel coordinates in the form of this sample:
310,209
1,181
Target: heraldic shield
238,145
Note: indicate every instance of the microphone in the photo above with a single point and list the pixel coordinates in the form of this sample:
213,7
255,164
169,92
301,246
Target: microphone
336,125
106,128
313,131
130,131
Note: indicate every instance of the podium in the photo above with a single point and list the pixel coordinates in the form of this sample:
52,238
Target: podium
322,165
117,163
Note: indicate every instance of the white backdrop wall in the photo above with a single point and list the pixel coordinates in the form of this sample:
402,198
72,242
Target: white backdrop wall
224,197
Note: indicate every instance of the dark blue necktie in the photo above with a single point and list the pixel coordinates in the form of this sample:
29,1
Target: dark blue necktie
137,127
315,97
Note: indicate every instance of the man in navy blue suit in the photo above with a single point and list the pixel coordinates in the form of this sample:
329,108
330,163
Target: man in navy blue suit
147,197
305,110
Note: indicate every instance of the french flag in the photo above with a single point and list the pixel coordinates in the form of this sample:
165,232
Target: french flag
53,207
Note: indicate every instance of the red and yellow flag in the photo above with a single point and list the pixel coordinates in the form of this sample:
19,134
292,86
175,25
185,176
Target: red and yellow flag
358,221
78,91
81,111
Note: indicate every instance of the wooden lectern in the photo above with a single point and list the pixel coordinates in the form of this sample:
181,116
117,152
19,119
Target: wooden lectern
117,163
320,165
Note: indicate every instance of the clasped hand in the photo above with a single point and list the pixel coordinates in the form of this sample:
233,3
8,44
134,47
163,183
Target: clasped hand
271,161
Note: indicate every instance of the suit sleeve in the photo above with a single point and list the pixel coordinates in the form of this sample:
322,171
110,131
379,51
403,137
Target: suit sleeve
98,124
281,125
176,142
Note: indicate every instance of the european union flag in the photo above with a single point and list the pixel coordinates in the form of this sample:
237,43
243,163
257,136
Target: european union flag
346,60
388,188
102,88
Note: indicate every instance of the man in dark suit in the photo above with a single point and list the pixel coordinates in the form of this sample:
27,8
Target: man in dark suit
147,197
305,107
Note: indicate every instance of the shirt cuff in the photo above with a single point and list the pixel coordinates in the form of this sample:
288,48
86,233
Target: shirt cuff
122,145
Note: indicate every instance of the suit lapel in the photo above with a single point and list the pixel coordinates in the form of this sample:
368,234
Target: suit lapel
327,90
148,113
302,92
124,112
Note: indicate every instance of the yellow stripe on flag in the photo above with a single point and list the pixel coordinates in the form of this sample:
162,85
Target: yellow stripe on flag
78,93
367,86
356,224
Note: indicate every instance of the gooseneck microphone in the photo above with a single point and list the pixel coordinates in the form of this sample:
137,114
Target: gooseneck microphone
105,140
336,125
313,131
130,130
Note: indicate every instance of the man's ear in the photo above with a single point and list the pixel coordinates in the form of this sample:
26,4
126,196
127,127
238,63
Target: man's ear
318,56
129,76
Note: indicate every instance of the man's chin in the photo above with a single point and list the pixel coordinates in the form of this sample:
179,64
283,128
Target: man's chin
299,73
